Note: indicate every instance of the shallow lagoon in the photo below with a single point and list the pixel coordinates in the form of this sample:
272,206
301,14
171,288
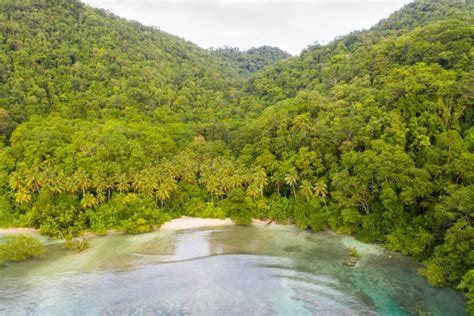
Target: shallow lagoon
227,270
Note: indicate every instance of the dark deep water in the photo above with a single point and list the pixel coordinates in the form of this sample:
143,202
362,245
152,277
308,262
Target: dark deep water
228,270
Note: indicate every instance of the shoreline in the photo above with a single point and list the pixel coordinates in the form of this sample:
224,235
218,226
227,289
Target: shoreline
18,230
188,222
184,222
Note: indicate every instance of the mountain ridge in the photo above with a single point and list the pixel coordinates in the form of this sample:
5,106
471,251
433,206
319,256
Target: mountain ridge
108,124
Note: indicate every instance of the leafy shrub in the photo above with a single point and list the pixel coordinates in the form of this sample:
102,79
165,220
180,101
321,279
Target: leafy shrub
452,259
409,240
280,208
239,207
19,248
137,225
310,214
203,209
467,284
353,252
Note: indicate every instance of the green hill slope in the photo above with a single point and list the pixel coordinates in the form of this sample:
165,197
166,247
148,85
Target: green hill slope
378,125
253,59
65,58
109,124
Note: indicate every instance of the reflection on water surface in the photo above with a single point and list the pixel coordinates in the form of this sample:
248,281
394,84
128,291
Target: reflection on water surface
229,270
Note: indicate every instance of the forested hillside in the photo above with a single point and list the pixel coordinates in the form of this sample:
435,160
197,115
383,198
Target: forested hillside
253,59
109,124
64,58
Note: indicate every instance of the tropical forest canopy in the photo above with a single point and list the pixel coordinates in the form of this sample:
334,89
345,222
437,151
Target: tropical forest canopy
108,124
253,59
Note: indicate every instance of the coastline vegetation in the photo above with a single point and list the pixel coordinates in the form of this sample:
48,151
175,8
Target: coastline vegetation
19,248
107,124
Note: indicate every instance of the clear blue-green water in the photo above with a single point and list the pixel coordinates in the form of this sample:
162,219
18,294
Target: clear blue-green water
228,270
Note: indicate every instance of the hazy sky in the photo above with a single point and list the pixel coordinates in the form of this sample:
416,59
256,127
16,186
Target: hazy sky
289,24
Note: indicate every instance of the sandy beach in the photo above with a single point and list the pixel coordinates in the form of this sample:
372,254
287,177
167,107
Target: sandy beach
18,230
185,222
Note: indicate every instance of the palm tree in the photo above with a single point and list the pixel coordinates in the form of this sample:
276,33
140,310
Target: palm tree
213,187
162,194
260,180
165,189
188,174
138,182
205,174
321,191
15,181
109,185
50,180
55,185
70,184
291,179
100,197
23,196
98,183
227,183
103,183
253,191
34,180
82,180
88,201
122,184
169,169
237,181
150,184
129,198
306,189
278,180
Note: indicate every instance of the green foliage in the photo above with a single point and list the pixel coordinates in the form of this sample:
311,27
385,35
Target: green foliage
19,248
409,241
137,225
58,216
198,208
280,209
106,124
77,245
453,258
309,215
467,285
130,212
353,252
239,206
253,59
6,215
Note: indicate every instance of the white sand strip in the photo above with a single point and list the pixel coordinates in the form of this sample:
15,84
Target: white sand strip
185,222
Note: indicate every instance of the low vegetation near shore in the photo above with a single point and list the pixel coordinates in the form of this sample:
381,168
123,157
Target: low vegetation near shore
19,248
108,124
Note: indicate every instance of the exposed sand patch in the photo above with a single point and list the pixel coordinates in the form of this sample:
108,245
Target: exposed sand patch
18,230
185,222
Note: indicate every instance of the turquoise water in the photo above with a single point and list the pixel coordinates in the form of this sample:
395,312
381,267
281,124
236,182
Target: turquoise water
228,270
